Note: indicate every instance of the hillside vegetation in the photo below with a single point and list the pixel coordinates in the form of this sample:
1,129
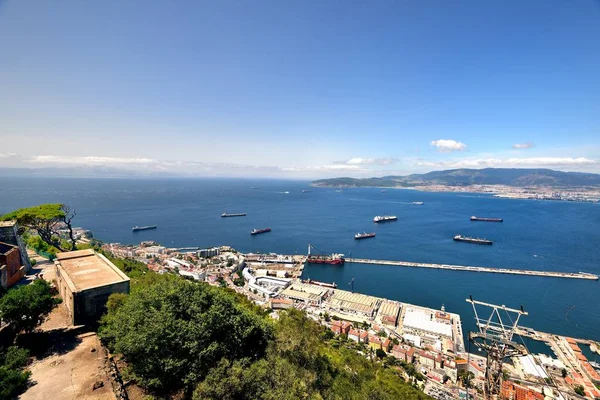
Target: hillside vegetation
518,177
188,339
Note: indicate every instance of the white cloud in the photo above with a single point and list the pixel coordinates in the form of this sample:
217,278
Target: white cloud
527,145
91,160
368,161
325,168
532,162
447,145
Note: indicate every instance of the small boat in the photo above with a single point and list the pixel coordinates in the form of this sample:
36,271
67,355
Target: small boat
306,191
258,231
143,228
225,215
364,235
419,203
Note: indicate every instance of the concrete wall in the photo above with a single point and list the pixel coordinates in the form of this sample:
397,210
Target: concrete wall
90,305
86,306
8,234
11,270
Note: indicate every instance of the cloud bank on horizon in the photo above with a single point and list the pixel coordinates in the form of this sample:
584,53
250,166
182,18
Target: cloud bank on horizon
354,167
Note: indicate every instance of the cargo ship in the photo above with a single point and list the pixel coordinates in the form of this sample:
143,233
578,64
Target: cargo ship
224,215
474,218
258,231
143,228
333,259
385,218
323,284
364,235
461,238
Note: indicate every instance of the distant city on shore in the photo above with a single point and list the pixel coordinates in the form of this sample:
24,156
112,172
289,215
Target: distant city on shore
538,183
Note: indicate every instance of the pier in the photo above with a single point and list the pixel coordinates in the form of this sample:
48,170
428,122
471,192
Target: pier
510,271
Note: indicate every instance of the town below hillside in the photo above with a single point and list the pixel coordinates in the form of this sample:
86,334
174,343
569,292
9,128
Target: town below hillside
540,184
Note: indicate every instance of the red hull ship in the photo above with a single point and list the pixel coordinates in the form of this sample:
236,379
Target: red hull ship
333,259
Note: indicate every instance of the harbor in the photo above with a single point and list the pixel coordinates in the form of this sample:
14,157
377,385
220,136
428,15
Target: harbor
410,264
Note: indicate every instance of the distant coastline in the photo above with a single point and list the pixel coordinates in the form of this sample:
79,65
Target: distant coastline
538,184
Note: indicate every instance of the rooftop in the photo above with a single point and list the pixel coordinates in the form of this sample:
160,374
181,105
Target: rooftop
304,291
353,301
419,319
6,247
87,269
7,223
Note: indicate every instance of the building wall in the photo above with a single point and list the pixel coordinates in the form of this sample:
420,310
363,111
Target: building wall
86,306
89,305
8,234
12,270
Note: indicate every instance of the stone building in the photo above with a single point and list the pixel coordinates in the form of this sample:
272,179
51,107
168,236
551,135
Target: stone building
9,234
85,280
11,268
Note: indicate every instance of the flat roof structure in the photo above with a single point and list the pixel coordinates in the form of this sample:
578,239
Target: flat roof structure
389,308
85,280
354,302
420,320
86,269
305,292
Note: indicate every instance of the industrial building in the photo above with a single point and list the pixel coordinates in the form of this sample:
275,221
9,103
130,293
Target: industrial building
85,280
419,322
305,293
354,303
388,313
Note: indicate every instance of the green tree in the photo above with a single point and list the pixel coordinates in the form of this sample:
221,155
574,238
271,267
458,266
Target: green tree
563,372
579,389
380,354
13,380
46,220
173,332
26,306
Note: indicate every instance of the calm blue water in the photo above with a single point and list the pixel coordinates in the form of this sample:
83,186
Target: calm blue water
535,235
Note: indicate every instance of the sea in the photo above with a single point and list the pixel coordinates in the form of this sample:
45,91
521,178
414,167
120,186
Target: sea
539,235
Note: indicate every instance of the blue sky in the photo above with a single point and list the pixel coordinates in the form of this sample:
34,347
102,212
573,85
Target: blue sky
300,89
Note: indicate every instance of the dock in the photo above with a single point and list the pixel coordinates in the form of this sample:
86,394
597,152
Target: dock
509,271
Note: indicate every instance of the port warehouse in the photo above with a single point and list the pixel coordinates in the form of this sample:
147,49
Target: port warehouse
418,325
85,280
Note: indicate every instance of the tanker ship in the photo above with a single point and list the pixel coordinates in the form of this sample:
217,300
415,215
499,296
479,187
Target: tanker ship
474,218
461,238
259,231
385,218
334,259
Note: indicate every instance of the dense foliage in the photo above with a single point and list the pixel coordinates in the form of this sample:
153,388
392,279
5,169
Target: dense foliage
13,380
26,306
23,308
45,220
174,332
184,337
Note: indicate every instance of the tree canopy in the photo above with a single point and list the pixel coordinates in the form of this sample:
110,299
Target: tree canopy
176,335
26,306
46,220
173,332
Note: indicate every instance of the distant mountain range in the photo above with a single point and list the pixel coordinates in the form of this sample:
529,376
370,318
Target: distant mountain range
517,177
